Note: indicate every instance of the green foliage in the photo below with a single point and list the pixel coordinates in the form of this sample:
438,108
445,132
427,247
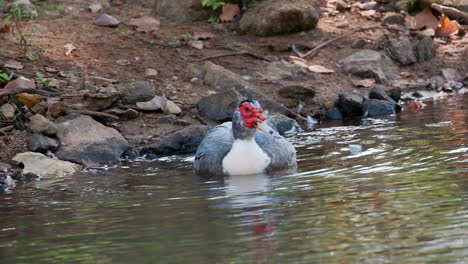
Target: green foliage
214,4
33,57
187,36
41,80
4,77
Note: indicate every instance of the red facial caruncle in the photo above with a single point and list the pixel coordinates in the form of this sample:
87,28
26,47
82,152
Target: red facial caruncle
251,115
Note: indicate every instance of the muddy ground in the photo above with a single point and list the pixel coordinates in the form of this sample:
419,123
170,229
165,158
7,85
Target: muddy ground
99,48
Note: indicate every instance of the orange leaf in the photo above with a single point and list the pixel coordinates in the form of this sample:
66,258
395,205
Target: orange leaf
447,27
415,106
28,100
230,13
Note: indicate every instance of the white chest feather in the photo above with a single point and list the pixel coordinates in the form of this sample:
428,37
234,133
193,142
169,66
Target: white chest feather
245,157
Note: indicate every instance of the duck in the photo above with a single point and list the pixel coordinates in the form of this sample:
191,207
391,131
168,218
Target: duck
244,146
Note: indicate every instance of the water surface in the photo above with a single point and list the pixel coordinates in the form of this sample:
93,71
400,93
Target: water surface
376,190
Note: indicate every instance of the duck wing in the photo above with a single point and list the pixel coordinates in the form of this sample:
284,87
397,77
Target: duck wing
212,150
281,152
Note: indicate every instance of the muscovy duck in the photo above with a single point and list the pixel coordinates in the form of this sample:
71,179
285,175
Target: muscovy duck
247,145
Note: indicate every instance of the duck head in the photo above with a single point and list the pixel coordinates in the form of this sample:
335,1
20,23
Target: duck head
248,117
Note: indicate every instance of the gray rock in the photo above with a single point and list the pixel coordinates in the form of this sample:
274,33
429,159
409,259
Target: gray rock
395,94
299,93
342,6
139,91
171,108
41,125
83,140
172,120
379,93
7,111
283,124
157,103
376,107
219,107
370,64
285,71
281,17
393,19
184,141
334,114
182,10
424,48
350,104
106,20
123,114
359,43
401,50
41,143
40,164
222,79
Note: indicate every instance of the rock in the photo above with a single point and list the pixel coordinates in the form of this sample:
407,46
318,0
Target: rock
401,50
57,109
285,71
95,8
41,143
83,140
222,79
171,108
157,103
370,64
184,141
219,107
342,6
151,73
395,94
393,19
281,17
7,111
172,120
351,104
375,107
297,92
424,48
359,43
334,114
343,24
182,10
379,93
106,20
41,125
40,108
451,74
139,91
40,164
283,124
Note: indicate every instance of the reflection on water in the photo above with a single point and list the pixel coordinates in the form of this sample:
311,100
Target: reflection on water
377,190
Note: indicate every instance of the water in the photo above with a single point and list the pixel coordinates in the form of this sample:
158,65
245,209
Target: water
381,190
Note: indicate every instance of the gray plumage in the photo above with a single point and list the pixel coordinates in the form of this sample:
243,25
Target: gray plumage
218,142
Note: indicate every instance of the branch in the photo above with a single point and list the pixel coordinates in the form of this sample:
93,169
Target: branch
28,90
234,54
93,113
451,12
316,49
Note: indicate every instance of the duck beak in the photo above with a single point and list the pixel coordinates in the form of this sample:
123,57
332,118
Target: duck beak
262,126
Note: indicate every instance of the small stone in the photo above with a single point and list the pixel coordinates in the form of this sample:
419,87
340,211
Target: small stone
157,103
151,72
41,125
343,24
126,114
12,64
41,143
359,43
139,91
57,109
334,114
175,78
194,79
341,5
451,74
351,104
393,19
7,111
370,64
106,20
94,8
376,107
401,50
172,108
40,164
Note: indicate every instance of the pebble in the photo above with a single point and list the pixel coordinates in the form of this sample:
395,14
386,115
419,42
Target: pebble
151,73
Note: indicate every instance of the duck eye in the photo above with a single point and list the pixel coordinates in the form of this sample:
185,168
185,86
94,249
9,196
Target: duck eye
246,109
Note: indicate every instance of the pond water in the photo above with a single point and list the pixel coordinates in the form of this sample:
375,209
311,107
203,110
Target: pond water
376,190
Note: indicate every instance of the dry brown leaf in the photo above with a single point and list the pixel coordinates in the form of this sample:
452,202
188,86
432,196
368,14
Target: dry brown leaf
424,19
415,106
320,69
366,83
299,61
203,35
4,28
145,24
230,13
447,27
69,48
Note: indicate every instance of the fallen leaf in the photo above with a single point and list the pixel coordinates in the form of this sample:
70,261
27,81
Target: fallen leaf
447,27
198,44
106,20
27,99
230,13
366,83
367,13
299,61
20,82
203,35
69,48
415,106
145,24
158,102
4,28
12,64
424,19
320,69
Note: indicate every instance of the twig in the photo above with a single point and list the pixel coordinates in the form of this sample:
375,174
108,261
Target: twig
29,90
451,12
93,113
7,128
243,52
316,49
